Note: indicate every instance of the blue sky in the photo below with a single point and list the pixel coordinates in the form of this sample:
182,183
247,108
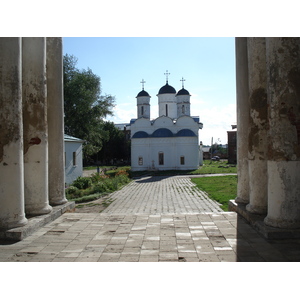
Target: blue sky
206,63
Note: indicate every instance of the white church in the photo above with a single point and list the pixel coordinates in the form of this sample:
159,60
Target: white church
169,142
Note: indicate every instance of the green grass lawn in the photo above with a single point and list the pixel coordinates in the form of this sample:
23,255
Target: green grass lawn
215,167
209,167
220,188
95,168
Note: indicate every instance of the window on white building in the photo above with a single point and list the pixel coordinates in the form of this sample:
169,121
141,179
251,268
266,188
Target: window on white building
182,160
160,158
74,158
166,110
140,160
142,110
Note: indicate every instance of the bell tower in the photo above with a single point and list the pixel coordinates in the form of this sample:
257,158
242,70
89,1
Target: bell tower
143,103
183,102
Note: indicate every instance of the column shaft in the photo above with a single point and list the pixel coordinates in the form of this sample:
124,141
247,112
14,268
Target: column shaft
11,135
258,125
55,113
35,126
283,71
242,98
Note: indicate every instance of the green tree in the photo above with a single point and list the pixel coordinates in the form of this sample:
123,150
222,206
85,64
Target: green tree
116,147
84,106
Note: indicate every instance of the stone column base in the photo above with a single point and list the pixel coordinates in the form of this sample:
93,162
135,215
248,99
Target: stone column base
8,224
58,201
257,222
241,200
33,210
254,209
281,223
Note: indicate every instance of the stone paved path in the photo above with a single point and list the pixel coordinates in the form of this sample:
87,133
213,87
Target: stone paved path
161,195
151,225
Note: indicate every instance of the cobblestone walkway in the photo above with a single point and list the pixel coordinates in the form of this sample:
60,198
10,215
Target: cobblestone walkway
151,220
161,195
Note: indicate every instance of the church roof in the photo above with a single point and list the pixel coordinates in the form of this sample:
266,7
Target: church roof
183,92
143,93
167,89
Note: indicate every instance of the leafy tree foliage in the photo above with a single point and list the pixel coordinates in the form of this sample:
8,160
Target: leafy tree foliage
218,149
84,106
116,147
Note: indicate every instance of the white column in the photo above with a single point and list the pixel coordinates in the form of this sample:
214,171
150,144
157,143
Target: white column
11,135
35,126
55,112
283,71
258,125
242,99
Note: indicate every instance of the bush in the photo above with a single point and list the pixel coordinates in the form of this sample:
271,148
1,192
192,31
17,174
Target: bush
100,187
97,184
122,172
83,183
96,177
72,192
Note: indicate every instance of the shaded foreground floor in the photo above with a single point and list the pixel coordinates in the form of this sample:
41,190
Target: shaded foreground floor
155,232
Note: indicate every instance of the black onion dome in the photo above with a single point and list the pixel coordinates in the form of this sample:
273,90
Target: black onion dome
143,93
167,89
183,92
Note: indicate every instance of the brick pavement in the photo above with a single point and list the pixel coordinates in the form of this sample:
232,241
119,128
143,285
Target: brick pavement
161,221
161,194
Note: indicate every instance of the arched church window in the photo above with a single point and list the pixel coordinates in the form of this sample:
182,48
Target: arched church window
183,109
166,110
142,110
160,158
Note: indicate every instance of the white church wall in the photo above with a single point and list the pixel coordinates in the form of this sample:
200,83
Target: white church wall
170,100
166,147
187,122
140,154
164,122
143,107
183,105
141,124
187,147
180,153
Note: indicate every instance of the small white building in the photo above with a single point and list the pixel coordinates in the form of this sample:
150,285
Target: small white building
171,141
73,158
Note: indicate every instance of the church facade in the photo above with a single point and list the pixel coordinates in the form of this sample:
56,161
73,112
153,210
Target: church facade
169,142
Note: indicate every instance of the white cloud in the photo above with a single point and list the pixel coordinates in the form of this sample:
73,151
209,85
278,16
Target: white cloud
123,113
216,122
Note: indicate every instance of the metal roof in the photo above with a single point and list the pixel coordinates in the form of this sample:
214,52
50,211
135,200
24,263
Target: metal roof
68,138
